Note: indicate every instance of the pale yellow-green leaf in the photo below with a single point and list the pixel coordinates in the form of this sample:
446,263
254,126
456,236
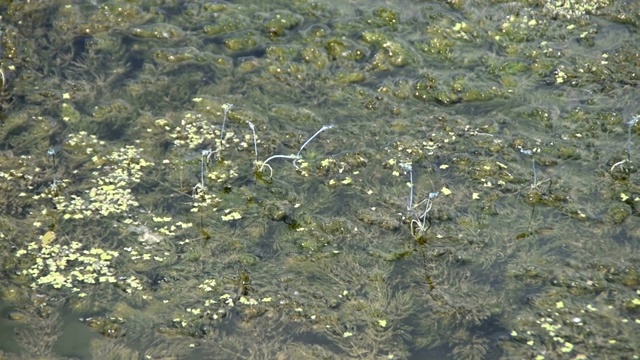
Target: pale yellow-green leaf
231,216
48,238
568,347
346,181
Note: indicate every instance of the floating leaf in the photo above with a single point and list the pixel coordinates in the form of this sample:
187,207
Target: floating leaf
232,216
568,347
48,238
346,181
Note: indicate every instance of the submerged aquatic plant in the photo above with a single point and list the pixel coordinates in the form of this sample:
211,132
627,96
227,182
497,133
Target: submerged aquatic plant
170,253
39,340
533,165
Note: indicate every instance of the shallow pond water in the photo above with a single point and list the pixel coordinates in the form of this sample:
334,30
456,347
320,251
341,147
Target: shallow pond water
307,180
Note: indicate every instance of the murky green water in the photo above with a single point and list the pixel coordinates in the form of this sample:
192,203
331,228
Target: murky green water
455,180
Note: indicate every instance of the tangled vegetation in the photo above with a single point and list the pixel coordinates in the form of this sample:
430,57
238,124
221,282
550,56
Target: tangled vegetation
303,180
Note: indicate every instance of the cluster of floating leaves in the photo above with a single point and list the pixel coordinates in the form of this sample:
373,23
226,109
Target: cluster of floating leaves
66,265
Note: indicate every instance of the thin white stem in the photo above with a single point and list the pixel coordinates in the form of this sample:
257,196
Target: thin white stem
226,107
264,163
426,211
410,190
619,163
429,200
255,141
325,127
4,79
631,123
409,168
